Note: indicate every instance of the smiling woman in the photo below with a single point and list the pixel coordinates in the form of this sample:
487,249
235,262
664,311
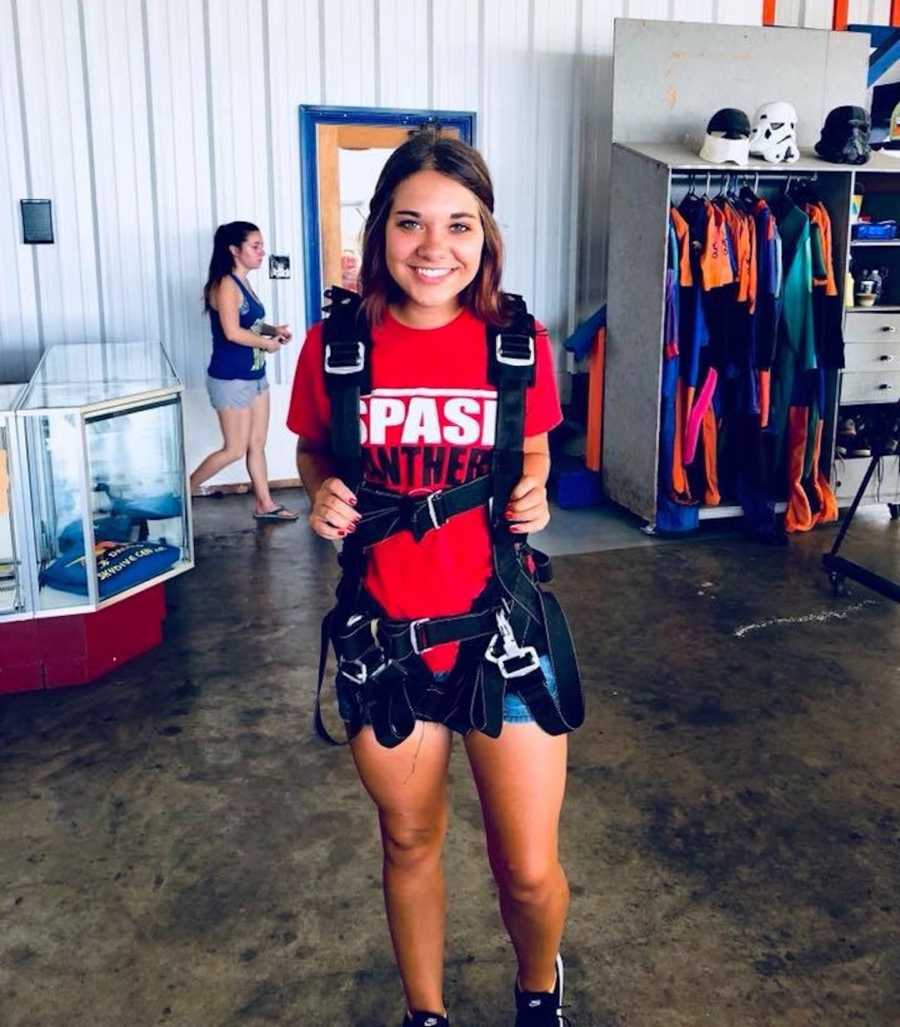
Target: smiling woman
423,407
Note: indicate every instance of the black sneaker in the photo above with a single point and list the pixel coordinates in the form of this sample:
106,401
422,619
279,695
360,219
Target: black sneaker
542,1008
425,1020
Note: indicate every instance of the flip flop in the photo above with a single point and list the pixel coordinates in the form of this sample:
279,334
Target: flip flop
278,514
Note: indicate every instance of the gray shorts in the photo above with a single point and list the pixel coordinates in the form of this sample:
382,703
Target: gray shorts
236,393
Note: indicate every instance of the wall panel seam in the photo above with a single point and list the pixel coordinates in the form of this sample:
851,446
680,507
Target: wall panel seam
210,121
26,151
154,183
92,171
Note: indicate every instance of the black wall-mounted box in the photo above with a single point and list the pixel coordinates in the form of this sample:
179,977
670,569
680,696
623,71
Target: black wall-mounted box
37,221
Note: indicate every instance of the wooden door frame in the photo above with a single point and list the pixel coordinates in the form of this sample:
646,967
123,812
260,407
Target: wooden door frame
345,119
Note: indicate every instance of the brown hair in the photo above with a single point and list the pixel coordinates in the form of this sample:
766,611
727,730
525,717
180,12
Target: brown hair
427,150
222,261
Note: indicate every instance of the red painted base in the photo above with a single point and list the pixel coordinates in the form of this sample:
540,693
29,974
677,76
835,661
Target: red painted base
21,667
53,652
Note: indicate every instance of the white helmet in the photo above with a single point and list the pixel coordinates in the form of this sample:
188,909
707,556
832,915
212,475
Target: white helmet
775,133
727,138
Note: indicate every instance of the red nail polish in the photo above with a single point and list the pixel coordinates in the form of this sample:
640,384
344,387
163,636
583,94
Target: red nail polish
342,533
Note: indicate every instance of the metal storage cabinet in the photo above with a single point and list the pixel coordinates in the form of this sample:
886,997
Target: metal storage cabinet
872,336
668,80
645,181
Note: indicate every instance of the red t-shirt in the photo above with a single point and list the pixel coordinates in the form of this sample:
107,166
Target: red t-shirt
427,424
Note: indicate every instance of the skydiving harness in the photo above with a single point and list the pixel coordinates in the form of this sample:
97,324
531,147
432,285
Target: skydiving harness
512,623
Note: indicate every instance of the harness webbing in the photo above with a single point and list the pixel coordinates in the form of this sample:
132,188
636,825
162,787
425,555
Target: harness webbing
510,625
385,513
347,347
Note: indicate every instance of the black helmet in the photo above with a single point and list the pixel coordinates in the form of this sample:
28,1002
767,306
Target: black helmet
845,136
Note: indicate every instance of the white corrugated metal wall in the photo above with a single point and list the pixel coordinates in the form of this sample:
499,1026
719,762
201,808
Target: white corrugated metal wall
147,122
819,14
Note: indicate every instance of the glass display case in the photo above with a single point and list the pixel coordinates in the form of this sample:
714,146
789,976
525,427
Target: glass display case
13,595
101,429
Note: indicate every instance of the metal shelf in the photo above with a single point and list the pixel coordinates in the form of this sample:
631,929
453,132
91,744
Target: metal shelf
875,242
712,513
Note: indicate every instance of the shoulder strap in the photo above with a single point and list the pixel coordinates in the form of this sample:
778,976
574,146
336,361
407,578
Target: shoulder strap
346,367
237,281
511,370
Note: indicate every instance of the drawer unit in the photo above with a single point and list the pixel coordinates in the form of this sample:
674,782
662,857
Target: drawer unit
870,387
873,356
884,486
870,325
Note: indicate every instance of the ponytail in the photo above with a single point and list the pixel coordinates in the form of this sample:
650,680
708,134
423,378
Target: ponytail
222,261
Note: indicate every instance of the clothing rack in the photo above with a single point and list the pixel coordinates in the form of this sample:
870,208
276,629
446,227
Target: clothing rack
690,178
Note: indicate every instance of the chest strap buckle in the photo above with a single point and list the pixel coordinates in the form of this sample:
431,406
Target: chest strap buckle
515,350
343,360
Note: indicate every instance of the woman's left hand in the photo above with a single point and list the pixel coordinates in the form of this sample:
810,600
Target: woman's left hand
528,510
284,332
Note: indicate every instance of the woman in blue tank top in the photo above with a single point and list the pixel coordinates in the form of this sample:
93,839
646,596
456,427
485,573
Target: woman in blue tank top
236,378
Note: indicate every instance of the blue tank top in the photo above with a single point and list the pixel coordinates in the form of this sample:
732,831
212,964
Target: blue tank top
229,359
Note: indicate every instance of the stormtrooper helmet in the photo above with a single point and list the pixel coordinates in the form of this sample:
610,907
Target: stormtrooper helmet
727,137
845,136
775,133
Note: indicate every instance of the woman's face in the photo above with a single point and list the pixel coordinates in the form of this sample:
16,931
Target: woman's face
433,243
249,255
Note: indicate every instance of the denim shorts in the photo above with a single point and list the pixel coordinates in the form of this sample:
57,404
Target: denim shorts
515,711
234,393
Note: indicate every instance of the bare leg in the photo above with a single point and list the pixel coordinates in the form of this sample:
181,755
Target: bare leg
409,786
256,453
235,425
521,780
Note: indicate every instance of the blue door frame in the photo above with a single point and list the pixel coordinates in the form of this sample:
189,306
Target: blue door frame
310,117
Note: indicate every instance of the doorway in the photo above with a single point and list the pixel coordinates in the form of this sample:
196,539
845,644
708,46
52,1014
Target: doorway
343,150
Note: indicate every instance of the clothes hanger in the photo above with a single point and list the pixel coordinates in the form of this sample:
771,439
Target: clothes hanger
750,196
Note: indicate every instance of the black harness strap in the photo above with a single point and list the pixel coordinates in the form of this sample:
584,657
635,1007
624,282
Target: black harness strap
511,623
385,513
511,370
347,346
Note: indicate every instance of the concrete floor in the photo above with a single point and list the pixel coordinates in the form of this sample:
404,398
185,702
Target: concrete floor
178,850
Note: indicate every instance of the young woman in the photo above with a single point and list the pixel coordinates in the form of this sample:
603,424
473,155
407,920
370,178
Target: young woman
432,258
236,378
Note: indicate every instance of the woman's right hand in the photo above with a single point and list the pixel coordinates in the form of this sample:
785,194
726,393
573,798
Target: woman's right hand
272,345
333,514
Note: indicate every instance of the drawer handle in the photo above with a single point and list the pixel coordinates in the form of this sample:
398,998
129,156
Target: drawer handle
888,328
884,386
886,357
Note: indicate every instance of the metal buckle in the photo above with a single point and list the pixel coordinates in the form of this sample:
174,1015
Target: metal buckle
360,676
512,651
412,636
515,361
527,653
353,368
432,513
